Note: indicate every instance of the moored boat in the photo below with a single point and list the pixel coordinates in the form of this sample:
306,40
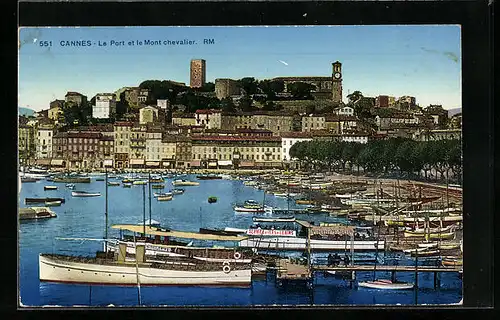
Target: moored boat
177,191
113,184
42,200
27,179
34,213
284,219
139,182
85,194
123,271
71,179
157,186
208,177
386,285
185,183
164,198
53,203
162,194
127,185
50,188
212,199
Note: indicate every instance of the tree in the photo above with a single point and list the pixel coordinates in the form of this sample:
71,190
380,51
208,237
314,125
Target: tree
363,107
207,87
227,105
310,108
248,84
246,103
301,90
355,96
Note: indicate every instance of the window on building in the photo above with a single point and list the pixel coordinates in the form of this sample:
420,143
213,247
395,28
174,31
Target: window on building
278,156
252,156
273,157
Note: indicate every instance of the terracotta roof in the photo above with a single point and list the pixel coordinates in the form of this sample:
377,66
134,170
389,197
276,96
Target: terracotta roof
246,130
296,135
90,135
236,138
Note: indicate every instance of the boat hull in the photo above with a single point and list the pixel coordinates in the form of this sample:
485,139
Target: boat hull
56,270
288,243
386,286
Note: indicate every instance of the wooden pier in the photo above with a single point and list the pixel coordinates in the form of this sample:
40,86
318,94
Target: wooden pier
289,272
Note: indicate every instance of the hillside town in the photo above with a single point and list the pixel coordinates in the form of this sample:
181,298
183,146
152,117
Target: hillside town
229,124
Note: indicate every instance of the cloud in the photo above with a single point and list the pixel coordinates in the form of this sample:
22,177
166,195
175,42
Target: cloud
283,62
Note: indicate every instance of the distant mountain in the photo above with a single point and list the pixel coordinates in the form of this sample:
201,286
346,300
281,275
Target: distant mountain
25,111
452,112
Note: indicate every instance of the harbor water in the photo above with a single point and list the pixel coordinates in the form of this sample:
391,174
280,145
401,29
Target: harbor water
84,218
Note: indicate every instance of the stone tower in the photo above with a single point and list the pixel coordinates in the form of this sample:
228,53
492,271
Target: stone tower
198,73
337,82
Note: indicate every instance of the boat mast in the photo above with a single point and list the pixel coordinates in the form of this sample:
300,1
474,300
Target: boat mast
144,210
106,210
149,188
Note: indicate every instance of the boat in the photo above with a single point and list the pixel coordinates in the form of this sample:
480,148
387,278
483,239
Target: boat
235,230
157,186
127,185
70,185
296,243
451,262
185,183
85,194
50,188
425,253
164,198
113,184
386,285
162,194
42,200
444,235
126,271
208,177
71,179
431,230
216,232
303,201
252,206
419,250
53,203
156,180
139,182
212,199
27,179
428,245
99,179
284,219
127,181
35,213
177,191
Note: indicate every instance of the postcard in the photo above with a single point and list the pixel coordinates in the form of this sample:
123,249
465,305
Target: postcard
240,166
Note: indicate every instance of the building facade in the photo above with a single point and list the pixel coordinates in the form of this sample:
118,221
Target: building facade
122,133
198,73
322,85
26,143
76,98
105,106
183,119
344,111
276,122
211,119
148,115
225,88
44,134
313,122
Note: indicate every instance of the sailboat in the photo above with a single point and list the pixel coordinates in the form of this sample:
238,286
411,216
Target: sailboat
116,268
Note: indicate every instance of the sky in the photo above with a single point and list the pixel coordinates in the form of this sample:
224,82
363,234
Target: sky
423,61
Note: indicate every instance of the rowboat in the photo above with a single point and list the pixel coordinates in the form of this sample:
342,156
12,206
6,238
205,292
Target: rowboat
451,262
235,230
164,198
156,180
139,182
49,188
113,184
127,185
42,200
162,194
177,191
85,194
53,203
208,177
36,213
425,253
428,245
386,285
185,183
431,230
419,250
99,179
157,186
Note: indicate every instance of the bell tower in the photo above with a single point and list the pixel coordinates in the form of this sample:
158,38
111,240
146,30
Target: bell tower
337,82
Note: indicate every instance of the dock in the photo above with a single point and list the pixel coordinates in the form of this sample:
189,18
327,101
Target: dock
289,272
386,268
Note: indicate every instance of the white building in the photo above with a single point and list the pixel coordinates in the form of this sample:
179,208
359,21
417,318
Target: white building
44,134
359,138
344,111
105,106
288,139
211,119
162,103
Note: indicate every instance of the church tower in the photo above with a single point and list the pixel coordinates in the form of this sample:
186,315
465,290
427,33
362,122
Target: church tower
337,82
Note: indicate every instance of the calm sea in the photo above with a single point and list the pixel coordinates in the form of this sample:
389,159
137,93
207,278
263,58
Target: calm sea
85,218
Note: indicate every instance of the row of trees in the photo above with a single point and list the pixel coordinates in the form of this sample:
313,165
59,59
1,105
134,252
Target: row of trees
394,155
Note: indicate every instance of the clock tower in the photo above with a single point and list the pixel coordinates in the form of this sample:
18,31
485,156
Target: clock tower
337,82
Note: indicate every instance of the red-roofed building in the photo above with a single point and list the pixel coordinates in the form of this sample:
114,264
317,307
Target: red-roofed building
210,118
